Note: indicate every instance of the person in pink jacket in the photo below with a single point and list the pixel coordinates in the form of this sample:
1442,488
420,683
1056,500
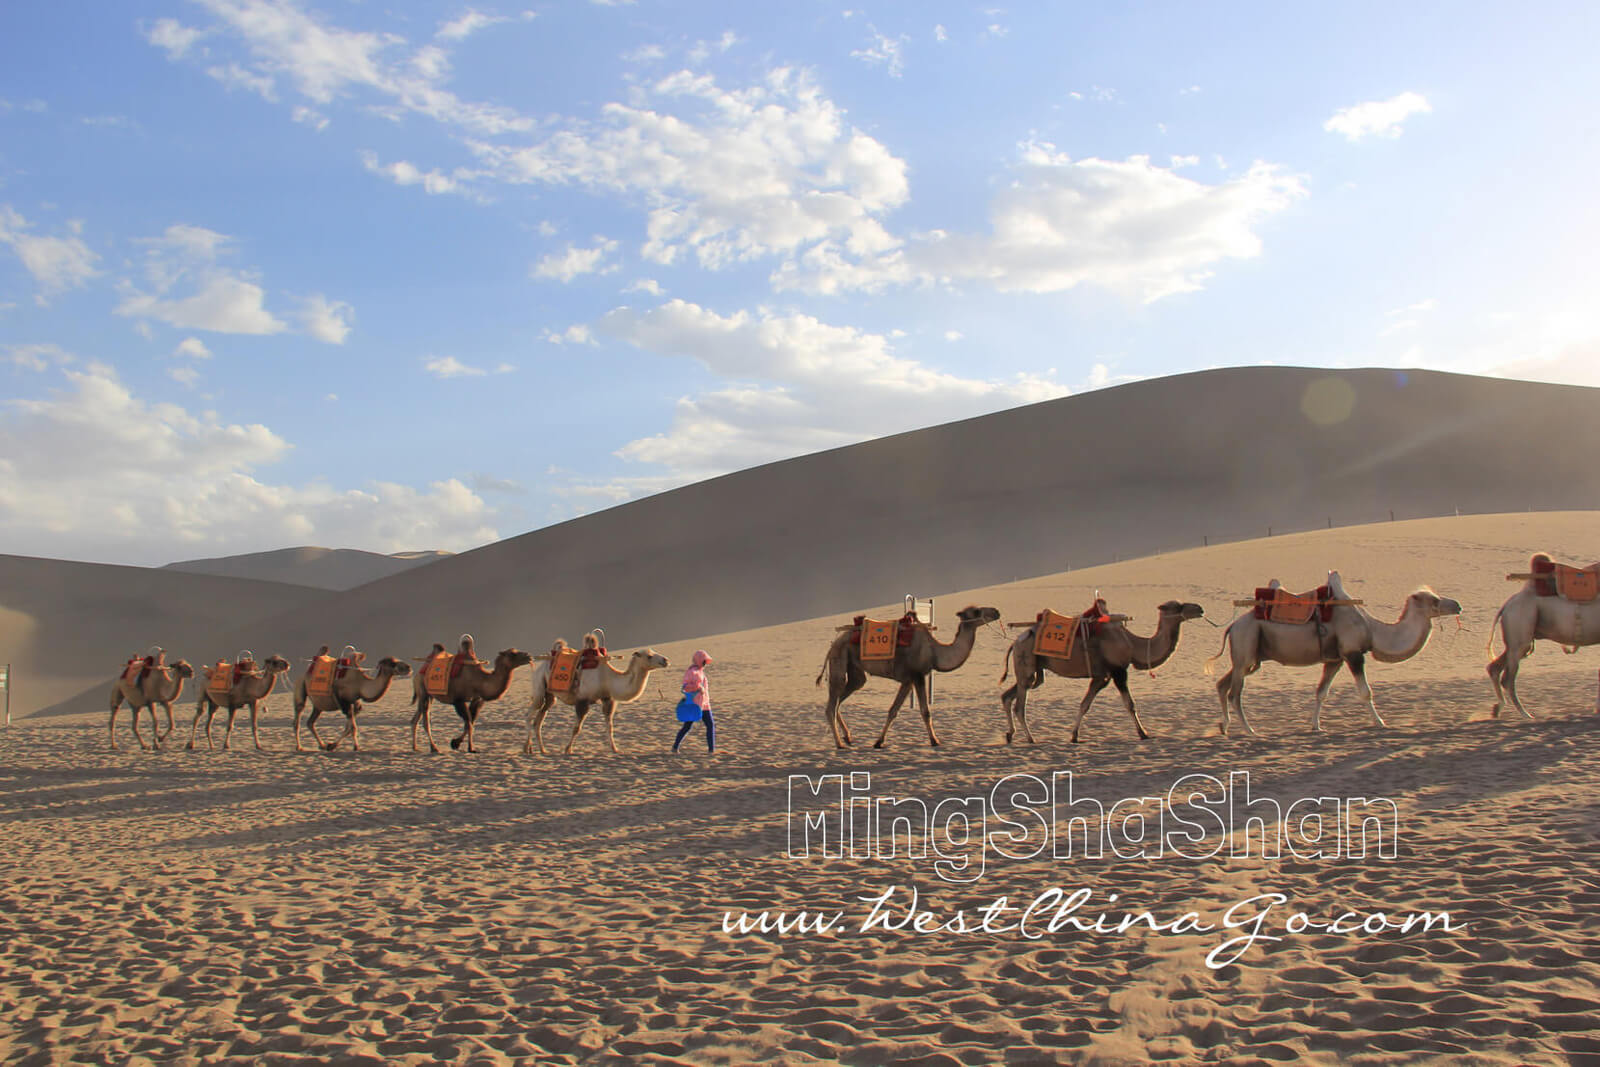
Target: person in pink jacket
696,703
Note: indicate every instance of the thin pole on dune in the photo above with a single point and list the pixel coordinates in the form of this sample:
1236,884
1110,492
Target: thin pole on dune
5,683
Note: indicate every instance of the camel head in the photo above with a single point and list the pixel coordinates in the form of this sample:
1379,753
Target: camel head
1184,612
976,616
1431,604
398,667
654,660
514,657
275,663
182,668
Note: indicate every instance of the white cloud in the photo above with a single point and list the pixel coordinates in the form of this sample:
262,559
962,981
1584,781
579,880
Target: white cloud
576,334
465,25
185,482
731,174
56,263
37,357
184,374
324,63
885,51
186,260
1378,118
703,50
565,266
310,117
173,36
645,285
234,76
451,367
939,33
793,384
953,335
192,348
433,182
1129,225
326,320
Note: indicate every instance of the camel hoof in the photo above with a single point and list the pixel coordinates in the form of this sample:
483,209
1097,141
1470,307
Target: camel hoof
455,742
1143,736
190,746
878,744
1008,737
330,746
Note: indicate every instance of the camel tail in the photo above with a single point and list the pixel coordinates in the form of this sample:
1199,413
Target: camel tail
1488,646
1007,670
1211,664
822,672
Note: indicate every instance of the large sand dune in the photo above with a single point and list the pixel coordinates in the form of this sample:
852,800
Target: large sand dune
321,568
398,908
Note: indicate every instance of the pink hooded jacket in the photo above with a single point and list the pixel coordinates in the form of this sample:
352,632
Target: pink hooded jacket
694,679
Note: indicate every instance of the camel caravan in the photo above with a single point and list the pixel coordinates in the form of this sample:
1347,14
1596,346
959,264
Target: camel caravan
1324,627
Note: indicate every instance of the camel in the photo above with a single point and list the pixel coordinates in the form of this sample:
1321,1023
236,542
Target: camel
247,691
1345,639
351,688
469,690
603,685
162,685
846,671
1114,651
1527,617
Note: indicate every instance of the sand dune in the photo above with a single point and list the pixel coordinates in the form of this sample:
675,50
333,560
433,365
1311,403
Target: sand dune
65,626
386,907
321,568
1152,466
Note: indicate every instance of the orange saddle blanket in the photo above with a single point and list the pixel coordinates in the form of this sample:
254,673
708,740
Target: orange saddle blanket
1581,585
878,638
563,671
221,678
1280,605
1055,634
319,676
436,675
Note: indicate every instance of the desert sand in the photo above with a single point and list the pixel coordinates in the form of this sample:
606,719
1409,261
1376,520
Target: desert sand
388,907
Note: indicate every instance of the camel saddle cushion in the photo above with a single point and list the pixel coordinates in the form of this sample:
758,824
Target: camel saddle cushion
131,672
319,676
563,670
1055,634
220,678
1280,605
436,675
878,638
1581,585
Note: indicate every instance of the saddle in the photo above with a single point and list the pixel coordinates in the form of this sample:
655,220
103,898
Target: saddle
1055,634
436,674
1581,585
563,670
879,638
320,675
1274,604
220,678
133,671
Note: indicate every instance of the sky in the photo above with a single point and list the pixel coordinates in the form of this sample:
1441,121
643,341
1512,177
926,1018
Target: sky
401,276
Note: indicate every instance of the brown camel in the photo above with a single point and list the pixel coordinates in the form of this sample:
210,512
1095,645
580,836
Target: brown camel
160,685
468,692
1103,658
247,690
846,671
1344,641
351,688
603,685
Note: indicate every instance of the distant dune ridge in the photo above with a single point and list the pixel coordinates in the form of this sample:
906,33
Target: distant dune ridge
1142,468
322,568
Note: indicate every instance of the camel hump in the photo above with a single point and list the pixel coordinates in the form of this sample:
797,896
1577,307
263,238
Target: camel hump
1335,586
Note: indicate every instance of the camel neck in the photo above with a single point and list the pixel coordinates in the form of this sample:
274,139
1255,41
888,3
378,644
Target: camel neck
1159,646
1403,638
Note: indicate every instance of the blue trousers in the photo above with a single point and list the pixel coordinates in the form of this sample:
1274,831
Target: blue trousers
711,732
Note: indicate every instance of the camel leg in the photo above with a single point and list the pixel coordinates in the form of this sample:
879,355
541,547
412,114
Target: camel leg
921,687
1119,677
610,709
1236,698
425,713
894,709
255,735
316,735
1224,686
1496,668
1097,683
1358,667
1329,670
160,737
854,679
137,736
227,736
194,727
349,721
297,713
466,728
536,731
472,724
831,714
580,709
114,708
1509,680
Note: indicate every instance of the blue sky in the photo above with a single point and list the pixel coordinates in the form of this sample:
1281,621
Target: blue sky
400,276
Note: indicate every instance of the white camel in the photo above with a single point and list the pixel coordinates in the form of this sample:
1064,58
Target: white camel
603,685
1527,617
1343,640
